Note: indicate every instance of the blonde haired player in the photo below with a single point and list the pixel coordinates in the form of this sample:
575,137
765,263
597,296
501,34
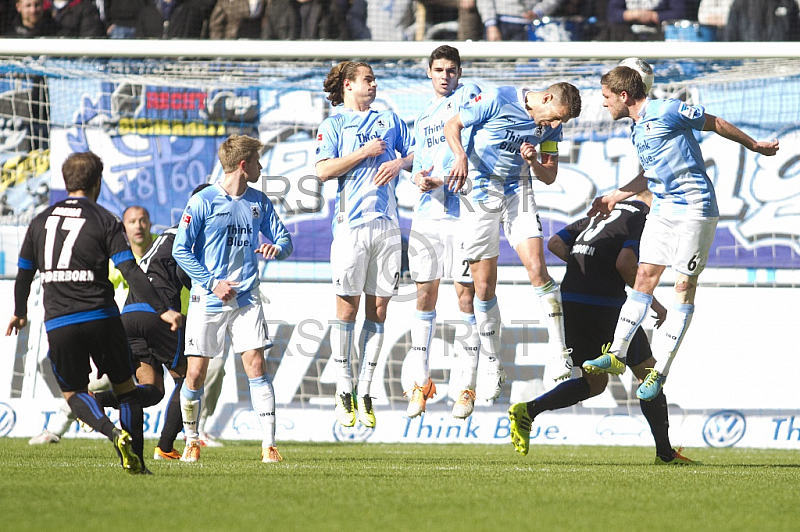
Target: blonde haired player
217,246
500,160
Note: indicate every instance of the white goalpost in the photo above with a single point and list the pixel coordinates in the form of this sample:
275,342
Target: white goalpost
304,50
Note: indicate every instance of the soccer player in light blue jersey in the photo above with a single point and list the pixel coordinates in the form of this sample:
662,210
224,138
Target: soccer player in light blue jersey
435,241
359,149
682,221
217,246
500,160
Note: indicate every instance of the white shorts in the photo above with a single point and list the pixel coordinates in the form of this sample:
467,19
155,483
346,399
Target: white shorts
366,258
206,331
516,212
435,251
681,244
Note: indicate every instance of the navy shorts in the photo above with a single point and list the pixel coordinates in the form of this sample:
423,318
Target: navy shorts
152,342
104,341
588,328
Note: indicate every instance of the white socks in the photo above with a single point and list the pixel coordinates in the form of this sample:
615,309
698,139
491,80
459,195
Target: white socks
262,397
342,346
422,331
631,316
471,344
190,410
550,299
370,342
671,335
487,315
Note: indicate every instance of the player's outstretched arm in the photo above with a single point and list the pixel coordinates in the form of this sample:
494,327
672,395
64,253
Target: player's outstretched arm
140,285
729,131
605,204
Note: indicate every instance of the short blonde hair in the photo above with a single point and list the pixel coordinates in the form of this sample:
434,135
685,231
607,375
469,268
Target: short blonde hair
238,148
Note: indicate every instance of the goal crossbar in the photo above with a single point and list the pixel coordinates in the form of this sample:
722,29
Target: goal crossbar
254,50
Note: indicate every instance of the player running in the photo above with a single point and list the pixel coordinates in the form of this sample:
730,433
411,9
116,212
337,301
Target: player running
71,243
602,257
154,346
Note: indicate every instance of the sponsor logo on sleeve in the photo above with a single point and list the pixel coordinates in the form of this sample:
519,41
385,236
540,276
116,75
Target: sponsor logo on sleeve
688,112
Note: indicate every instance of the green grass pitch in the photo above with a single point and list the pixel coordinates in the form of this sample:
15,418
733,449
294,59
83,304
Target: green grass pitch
78,485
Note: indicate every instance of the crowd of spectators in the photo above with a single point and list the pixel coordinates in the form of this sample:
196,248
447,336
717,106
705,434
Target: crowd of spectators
492,20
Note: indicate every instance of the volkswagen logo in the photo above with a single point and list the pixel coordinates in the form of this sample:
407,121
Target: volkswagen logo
724,429
8,418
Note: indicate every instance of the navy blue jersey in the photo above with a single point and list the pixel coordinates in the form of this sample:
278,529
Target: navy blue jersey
595,244
70,244
161,269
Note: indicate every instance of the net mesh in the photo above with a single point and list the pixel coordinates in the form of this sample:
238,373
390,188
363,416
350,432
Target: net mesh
157,125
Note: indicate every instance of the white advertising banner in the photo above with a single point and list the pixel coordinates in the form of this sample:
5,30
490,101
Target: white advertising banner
722,389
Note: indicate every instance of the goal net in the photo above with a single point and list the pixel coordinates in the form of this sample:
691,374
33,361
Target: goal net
157,124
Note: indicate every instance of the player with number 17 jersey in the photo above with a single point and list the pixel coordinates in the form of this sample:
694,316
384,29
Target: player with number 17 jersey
70,244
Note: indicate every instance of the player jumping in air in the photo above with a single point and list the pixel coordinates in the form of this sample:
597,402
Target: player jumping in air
358,148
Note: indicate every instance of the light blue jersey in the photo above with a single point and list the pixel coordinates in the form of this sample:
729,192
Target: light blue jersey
431,150
670,154
500,124
217,239
358,200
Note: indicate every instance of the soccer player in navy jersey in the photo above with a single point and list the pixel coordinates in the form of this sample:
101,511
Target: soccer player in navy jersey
435,241
70,244
359,149
154,346
500,160
602,257
152,341
683,218
217,246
